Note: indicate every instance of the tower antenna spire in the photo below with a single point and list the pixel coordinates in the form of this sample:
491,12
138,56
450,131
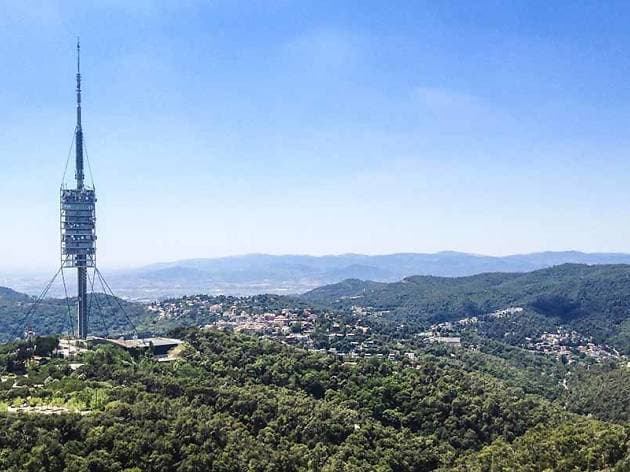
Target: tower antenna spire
78,55
79,131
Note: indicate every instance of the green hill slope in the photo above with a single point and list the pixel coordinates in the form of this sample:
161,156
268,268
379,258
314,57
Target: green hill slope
594,300
109,315
234,403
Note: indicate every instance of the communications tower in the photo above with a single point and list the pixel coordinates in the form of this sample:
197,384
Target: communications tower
78,244
78,221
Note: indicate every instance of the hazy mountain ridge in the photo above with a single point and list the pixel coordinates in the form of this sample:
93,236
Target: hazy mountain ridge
293,274
258,273
10,295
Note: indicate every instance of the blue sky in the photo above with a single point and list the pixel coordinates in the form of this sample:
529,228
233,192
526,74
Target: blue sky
285,126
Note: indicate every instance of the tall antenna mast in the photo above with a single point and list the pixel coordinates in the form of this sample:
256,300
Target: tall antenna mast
79,131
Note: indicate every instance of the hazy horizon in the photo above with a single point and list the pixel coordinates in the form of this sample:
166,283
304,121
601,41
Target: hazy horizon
218,128
251,274
44,271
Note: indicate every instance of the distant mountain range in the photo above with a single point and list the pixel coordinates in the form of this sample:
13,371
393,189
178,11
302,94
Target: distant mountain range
292,274
259,273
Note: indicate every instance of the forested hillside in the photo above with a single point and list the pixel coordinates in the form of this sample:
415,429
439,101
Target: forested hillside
233,402
594,300
110,315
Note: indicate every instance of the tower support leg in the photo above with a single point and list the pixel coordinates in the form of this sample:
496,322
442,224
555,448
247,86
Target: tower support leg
82,303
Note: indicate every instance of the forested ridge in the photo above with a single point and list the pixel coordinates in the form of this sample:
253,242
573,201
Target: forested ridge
593,300
110,315
233,402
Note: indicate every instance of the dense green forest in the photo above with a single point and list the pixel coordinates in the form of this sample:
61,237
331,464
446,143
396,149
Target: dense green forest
601,391
233,402
593,300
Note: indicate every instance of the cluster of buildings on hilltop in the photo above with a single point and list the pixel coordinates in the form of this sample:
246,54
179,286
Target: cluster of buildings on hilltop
350,336
242,315
307,328
294,327
323,333
182,307
569,344
472,320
